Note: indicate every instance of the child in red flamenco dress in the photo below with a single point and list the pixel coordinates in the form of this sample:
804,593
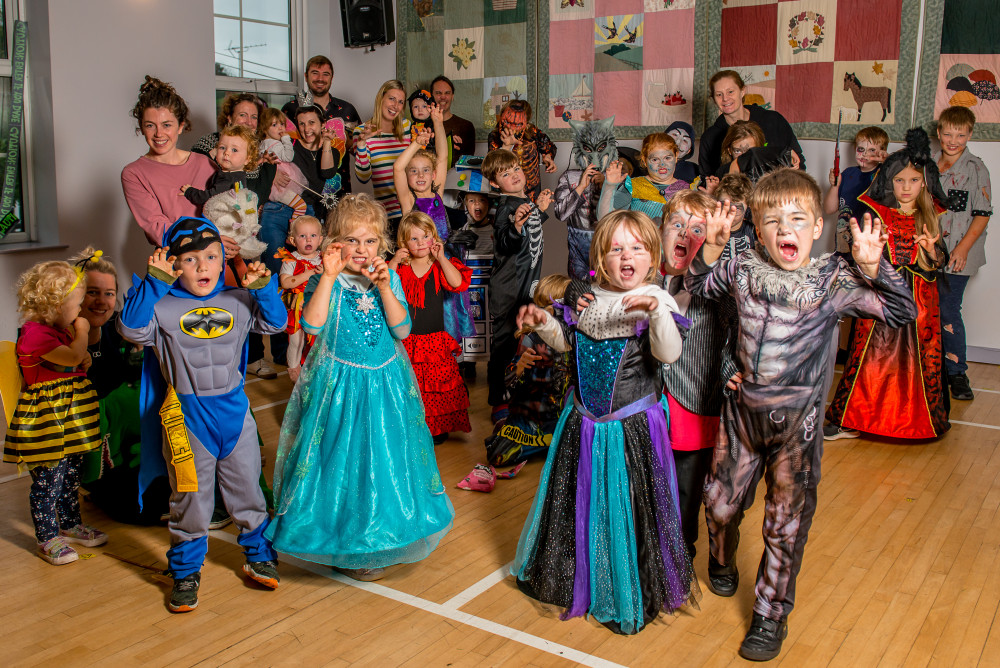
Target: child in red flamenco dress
426,275
893,382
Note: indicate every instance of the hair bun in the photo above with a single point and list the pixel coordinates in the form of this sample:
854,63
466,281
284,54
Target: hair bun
918,146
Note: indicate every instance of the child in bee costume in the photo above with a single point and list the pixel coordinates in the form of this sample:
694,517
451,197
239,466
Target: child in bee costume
195,413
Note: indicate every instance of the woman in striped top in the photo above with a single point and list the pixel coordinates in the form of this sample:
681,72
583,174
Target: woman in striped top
377,144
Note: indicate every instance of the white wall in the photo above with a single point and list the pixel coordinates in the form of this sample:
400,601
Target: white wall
98,53
94,82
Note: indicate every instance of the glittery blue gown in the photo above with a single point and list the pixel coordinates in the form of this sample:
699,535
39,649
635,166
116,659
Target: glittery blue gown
356,482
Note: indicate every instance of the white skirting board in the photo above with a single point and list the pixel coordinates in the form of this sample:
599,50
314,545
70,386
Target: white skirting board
983,355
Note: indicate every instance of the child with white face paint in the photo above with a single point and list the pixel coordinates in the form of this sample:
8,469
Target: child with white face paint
644,193
613,429
683,135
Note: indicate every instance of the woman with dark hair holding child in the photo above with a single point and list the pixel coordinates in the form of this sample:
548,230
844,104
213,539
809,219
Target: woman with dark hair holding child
727,89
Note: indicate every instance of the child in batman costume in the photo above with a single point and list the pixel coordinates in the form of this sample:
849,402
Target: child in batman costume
197,328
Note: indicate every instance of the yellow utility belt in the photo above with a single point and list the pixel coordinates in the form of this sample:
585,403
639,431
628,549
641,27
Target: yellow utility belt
181,456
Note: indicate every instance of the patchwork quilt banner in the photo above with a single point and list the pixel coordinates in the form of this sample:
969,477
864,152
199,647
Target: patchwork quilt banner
961,63
486,47
641,61
810,59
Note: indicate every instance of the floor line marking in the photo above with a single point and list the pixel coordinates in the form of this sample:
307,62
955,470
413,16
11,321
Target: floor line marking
974,424
8,478
441,610
270,405
496,577
257,379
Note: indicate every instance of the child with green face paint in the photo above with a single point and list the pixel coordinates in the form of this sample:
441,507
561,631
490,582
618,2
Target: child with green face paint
649,193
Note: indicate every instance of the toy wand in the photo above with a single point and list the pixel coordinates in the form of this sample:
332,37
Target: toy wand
836,149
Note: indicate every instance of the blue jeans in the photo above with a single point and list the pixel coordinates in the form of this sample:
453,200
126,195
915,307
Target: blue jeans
951,291
274,231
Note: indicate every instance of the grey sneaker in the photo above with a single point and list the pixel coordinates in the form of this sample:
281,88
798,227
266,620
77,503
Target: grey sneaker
262,369
362,574
220,519
184,597
834,432
263,572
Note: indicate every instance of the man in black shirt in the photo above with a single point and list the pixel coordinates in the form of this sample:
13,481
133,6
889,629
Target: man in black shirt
319,76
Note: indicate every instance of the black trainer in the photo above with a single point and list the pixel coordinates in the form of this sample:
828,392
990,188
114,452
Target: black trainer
722,581
264,572
960,388
763,640
184,597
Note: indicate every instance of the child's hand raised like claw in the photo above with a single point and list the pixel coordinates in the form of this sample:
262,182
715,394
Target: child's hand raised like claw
334,259
437,251
544,199
927,243
584,301
162,260
531,316
615,173
868,241
423,136
379,274
640,303
719,223
255,271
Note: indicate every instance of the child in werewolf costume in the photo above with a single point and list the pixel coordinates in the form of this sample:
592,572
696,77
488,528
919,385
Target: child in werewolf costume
772,427
575,200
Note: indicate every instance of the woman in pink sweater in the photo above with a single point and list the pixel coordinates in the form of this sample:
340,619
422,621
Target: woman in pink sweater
152,182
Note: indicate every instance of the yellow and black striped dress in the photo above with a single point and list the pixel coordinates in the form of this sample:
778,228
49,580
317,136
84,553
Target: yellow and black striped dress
57,414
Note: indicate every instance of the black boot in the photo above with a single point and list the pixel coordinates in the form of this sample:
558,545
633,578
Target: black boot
763,640
722,580
960,388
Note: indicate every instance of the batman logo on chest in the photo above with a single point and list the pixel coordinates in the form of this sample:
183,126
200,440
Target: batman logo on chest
206,322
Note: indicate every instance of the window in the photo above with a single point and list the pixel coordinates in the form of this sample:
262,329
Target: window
21,230
255,45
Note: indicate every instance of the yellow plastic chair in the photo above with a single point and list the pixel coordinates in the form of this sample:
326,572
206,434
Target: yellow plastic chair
10,381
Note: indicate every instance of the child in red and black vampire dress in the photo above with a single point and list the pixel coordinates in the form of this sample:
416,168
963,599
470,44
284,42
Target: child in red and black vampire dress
426,274
893,383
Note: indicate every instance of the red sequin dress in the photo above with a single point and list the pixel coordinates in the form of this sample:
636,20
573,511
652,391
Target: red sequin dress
432,350
893,383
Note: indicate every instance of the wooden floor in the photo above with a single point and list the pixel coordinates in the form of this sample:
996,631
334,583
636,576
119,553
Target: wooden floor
901,569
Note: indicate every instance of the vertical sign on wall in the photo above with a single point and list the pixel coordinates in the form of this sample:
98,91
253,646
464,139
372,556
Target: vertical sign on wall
8,195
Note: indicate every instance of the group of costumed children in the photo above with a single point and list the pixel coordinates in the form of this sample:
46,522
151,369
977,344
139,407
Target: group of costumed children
721,324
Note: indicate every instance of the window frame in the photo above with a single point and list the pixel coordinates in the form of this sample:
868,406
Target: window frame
13,9
296,24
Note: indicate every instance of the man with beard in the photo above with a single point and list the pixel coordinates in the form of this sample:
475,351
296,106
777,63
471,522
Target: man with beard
319,76
461,131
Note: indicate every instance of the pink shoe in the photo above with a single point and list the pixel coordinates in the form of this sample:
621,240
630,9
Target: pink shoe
482,479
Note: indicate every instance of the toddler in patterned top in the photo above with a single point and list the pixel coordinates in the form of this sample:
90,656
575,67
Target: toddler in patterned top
277,141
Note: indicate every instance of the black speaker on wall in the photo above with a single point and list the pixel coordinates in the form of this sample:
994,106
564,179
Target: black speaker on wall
367,22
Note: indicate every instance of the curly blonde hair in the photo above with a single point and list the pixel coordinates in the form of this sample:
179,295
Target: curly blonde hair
42,290
247,135
359,209
641,225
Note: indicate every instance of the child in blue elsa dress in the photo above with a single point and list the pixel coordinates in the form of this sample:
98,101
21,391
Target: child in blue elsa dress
356,482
